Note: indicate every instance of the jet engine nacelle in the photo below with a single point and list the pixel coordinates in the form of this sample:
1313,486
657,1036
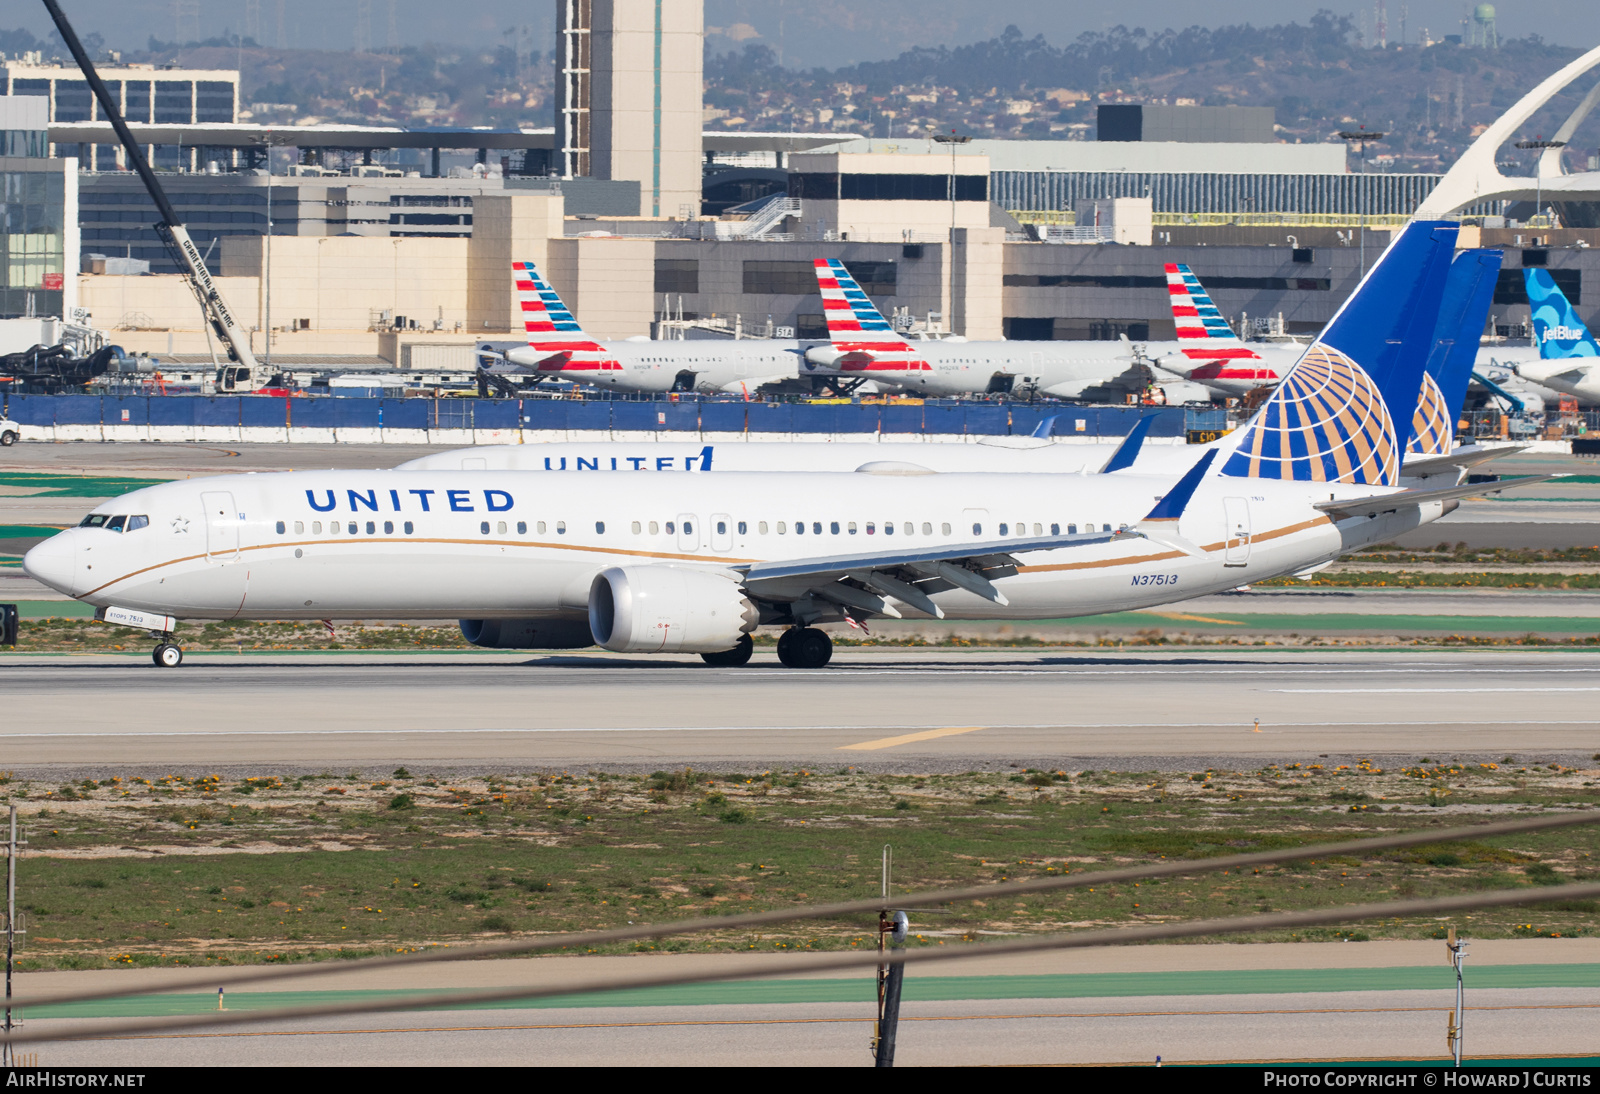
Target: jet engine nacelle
667,609
527,634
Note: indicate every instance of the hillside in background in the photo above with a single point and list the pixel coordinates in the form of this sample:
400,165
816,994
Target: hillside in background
1319,77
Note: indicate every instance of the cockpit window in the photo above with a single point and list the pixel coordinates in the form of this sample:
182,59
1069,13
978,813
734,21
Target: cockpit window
115,524
93,520
136,523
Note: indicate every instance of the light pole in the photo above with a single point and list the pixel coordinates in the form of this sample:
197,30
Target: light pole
1538,168
1362,135
952,140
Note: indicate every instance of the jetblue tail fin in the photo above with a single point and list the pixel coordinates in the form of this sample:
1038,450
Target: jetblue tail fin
1462,315
1556,326
1333,419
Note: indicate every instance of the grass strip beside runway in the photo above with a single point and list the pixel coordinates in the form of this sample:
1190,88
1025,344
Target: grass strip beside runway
917,989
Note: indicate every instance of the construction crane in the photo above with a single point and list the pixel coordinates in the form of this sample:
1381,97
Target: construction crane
170,230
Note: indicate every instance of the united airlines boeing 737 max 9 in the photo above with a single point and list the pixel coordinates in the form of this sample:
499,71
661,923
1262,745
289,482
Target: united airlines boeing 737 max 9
694,563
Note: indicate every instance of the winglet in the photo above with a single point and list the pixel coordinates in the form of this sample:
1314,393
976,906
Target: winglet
1171,507
1128,450
1046,428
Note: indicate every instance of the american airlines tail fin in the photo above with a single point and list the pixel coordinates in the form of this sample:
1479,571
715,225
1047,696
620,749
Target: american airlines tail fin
1203,335
861,335
548,322
1333,419
1462,314
1556,326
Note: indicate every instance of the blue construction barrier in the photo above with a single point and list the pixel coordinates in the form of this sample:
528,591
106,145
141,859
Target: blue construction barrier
262,412
404,413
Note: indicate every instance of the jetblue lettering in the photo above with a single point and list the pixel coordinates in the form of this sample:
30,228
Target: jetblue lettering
1561,333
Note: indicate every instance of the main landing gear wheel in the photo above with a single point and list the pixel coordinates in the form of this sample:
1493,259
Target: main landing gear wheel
730,659
167,656
805,648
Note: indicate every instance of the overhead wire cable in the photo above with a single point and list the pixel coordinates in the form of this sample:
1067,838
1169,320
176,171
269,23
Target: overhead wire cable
1270,921
871,905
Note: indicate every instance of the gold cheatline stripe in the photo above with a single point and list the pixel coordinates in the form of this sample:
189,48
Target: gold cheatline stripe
416,539
661,554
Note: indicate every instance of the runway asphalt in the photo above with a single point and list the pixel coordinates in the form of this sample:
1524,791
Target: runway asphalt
910,709
1102,1005
1323,1025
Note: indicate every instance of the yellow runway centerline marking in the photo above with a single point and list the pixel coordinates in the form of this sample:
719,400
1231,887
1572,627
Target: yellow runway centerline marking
909,738
1197,618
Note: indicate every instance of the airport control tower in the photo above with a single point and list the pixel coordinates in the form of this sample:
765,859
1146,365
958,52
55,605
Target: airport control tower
628,96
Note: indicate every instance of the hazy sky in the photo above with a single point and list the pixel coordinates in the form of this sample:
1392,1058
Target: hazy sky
809,32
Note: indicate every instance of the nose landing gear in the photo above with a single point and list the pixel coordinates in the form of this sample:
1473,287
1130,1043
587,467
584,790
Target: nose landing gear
805,648
168,654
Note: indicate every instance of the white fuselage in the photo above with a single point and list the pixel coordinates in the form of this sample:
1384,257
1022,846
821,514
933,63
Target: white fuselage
1228,376
1007,455
484,545
957,367
706,365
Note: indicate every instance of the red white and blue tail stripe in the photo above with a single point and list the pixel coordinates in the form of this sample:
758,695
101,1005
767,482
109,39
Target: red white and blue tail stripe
1203,334
551,327
865,340
1205,337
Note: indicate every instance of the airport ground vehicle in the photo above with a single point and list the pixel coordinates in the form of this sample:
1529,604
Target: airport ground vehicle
10,432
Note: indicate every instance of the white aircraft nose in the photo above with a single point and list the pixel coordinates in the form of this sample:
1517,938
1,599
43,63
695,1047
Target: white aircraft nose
54,562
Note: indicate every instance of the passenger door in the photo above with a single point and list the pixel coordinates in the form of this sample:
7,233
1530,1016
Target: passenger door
222,526
688,532
1236,544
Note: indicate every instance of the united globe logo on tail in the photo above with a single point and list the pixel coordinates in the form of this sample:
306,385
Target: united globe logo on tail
1432,426
1327,422
1333,417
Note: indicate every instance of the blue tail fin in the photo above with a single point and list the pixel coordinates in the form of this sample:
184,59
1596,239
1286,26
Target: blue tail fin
1333,419
1462,315
1556,326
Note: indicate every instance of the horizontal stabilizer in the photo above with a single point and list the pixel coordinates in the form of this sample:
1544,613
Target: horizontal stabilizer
1373,504
1467,456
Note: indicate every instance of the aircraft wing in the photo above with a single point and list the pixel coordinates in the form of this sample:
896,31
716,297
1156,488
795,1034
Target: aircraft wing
751,383
1453,463
1403,499
868,580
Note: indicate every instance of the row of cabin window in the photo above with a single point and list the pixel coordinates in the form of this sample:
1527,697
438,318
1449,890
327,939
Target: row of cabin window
907,528
849,527
354,527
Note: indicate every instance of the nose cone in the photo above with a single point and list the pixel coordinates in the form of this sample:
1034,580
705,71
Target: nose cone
54,562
